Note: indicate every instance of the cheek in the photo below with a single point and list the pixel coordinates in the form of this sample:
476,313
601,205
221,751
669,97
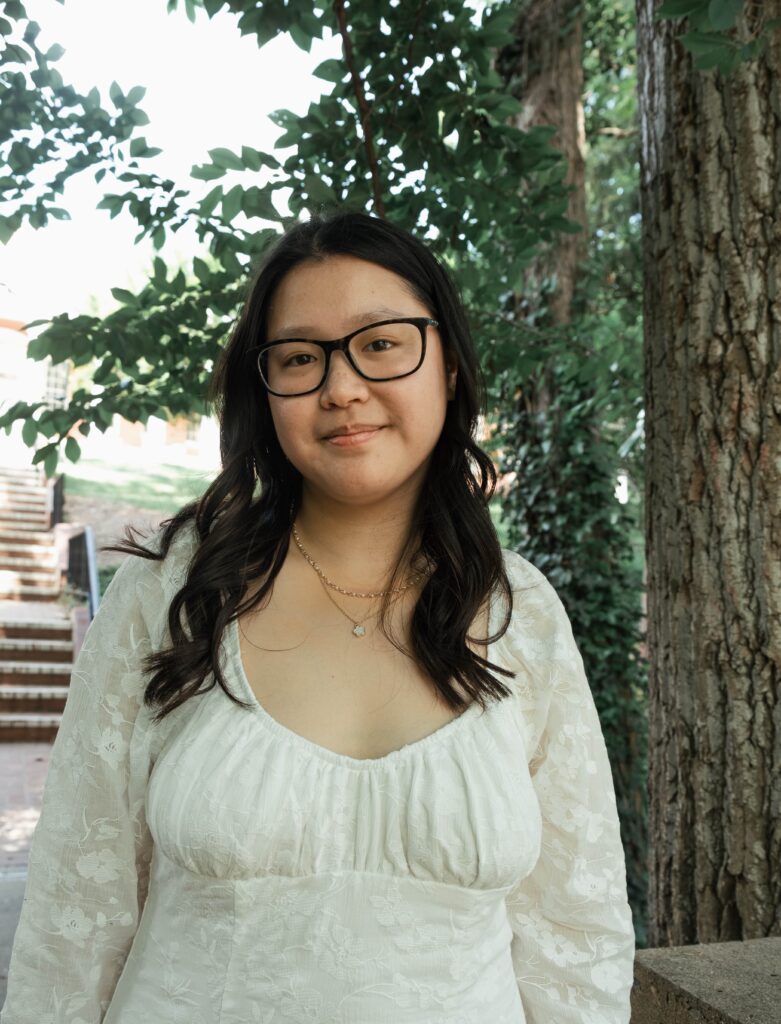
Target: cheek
290,419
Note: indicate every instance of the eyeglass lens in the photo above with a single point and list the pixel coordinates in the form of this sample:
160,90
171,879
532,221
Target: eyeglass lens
379,352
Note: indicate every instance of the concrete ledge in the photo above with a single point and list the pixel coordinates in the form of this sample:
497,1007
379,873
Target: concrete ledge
711,983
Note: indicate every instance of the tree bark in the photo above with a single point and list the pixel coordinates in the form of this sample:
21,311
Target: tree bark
711,202
547,66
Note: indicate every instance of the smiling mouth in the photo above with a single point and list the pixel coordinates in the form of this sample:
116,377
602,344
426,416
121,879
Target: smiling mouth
350,440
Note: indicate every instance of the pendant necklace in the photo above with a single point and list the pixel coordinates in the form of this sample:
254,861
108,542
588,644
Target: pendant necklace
358,629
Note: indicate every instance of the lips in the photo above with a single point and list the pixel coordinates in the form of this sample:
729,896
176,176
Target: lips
354,438
356,428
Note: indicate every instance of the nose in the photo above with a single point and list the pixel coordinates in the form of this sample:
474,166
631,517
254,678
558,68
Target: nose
342,381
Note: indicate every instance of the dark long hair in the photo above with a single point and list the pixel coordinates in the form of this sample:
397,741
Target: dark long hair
243,537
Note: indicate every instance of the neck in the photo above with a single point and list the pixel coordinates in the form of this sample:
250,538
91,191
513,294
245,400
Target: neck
356,546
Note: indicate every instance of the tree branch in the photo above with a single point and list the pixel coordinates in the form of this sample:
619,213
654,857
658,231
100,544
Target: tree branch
363,107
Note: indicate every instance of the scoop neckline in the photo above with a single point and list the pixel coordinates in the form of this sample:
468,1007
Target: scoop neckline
393,757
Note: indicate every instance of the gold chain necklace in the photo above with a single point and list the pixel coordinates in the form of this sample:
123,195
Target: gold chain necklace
359,629
351,593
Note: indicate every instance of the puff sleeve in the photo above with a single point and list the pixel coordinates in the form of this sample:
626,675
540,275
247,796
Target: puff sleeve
91,849
573,939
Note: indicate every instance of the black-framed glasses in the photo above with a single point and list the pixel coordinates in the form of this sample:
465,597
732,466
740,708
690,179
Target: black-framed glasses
385,350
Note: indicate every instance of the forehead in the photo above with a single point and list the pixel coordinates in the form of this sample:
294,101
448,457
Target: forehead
338,294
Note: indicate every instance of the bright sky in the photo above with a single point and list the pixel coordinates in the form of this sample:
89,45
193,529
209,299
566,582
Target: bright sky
207,86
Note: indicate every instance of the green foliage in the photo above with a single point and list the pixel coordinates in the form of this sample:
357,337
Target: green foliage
49,131
712,36
444,162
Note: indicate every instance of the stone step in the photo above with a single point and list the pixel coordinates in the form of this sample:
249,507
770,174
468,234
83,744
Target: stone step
10,535
25,593
28,673
32,514
29,727
23,520
35,649
33,698
8,486
45,559
32,628
23,474
22,549
18,501
38,574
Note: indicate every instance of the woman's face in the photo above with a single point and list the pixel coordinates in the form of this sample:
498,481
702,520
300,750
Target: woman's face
326,299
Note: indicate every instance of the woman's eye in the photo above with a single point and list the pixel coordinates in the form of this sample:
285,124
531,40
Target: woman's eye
291,361
381,341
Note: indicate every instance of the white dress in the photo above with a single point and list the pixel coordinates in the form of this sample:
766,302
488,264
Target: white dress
218,868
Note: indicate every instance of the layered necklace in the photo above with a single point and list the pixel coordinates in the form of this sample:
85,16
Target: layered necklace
358,629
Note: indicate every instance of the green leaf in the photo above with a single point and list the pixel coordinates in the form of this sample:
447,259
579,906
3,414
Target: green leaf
724,60
231,203
72,449
705,42
125,297
135,95
300,37
208,203
250,158
330,71
41,454
679,8
206,172
202,269
225,158
258,202
230,262
55,52
317,190
724,13
29,432
50,462
116,94
160,273
15,54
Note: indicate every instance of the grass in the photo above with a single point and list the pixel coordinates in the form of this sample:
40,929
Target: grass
162,488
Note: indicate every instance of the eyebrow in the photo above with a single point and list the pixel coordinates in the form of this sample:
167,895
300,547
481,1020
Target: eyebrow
380,313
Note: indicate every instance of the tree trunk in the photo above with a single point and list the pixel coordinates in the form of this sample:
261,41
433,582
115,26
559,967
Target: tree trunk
711,206
545,68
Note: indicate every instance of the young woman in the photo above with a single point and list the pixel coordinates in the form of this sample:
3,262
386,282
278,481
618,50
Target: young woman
329,753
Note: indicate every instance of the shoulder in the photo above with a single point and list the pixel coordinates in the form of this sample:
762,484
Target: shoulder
530,585
149,583
539,624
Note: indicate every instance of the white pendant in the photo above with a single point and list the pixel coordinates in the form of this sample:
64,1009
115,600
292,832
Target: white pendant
358,630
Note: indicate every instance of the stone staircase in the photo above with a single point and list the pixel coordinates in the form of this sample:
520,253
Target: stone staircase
36,632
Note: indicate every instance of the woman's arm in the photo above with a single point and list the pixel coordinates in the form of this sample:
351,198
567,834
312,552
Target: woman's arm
573,938
91,849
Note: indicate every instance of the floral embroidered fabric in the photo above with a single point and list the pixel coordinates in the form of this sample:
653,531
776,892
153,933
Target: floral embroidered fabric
218,868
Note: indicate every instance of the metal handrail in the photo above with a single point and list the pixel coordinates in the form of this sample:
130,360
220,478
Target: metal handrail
83,567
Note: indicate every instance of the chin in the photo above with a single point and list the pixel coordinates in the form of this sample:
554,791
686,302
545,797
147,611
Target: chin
358,490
